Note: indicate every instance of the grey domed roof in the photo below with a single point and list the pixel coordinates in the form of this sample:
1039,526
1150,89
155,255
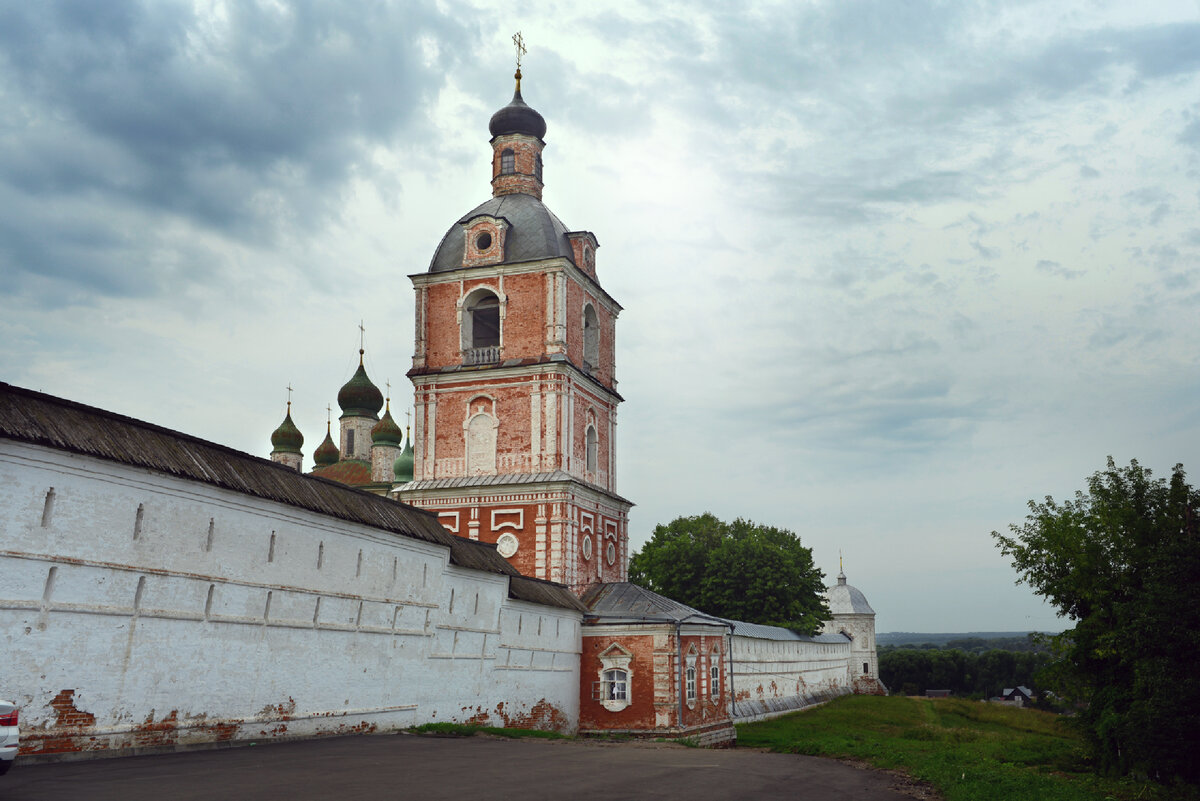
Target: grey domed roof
533,233
847,600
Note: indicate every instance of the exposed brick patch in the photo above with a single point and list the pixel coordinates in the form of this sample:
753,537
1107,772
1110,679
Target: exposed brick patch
67,715
164,732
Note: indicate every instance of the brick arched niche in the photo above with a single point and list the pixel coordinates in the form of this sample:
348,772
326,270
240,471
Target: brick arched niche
481,315
479,435
591,338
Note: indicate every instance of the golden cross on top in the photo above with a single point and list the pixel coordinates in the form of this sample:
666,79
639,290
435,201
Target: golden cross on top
289,393
388,384
328,414
519,41
408,417
362,334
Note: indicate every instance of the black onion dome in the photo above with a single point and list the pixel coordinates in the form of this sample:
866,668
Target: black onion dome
287,438
359,397
517,118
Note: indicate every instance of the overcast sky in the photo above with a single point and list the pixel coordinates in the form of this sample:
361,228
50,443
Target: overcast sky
889,269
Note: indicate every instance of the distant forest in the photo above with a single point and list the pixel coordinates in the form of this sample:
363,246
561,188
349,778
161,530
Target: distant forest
973,664
974,641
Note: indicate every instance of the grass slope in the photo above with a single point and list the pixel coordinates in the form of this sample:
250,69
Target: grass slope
470,730
967,750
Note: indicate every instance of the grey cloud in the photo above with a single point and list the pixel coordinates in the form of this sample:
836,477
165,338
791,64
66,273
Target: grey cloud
1054,268
1190,135
890,416
246,126
889,91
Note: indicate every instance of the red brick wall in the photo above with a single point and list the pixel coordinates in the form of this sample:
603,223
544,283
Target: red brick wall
654,699
640,714
523,329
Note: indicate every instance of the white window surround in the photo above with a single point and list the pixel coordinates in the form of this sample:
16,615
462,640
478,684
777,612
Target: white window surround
481,301
616,679
714,676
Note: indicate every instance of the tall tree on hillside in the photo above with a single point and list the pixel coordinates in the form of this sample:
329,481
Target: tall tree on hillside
1123,561
739,570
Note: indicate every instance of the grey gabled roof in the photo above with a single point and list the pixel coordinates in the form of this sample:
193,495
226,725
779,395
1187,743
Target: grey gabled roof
40,419
533,233
623,600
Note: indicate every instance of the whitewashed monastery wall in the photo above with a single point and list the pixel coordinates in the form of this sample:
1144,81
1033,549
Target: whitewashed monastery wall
139,609
777,672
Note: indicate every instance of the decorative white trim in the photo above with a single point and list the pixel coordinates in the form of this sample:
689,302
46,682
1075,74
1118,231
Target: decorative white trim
507,544
452,529
517,526
615,657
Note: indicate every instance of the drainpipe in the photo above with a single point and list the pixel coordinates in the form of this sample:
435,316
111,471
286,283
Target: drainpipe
732,708
682,687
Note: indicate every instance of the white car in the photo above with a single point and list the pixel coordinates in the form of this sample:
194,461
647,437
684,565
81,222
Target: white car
9,735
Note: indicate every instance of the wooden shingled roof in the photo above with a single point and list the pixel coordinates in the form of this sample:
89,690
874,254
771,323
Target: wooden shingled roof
40,419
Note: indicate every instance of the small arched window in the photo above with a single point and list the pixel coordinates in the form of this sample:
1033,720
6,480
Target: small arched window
714,676
691,683
508,162
592,449
537,167
591,338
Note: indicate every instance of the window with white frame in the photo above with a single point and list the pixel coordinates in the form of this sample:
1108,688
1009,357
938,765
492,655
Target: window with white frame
691,683
508,162
714,676
615,685
615,688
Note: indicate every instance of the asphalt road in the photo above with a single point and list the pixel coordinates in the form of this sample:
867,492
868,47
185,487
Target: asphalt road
411,767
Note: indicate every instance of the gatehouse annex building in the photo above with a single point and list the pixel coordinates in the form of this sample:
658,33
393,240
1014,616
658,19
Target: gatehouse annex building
158,590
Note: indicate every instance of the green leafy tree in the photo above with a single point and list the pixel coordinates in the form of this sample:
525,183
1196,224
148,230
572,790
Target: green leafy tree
738,570
1122,560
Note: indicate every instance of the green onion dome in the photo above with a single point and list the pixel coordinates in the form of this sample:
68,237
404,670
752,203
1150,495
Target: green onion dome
326,453
359,397
402,468
287,438
386,432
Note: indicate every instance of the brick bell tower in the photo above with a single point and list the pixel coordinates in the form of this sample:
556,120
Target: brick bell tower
513,371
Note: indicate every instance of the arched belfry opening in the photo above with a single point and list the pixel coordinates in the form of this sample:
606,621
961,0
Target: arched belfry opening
481,327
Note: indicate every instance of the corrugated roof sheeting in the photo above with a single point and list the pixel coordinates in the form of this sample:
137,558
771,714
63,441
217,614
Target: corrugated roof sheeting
39,419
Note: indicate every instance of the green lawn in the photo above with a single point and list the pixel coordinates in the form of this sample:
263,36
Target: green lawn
469,730
967,750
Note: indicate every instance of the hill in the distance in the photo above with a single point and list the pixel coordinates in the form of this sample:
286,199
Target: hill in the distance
940,639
